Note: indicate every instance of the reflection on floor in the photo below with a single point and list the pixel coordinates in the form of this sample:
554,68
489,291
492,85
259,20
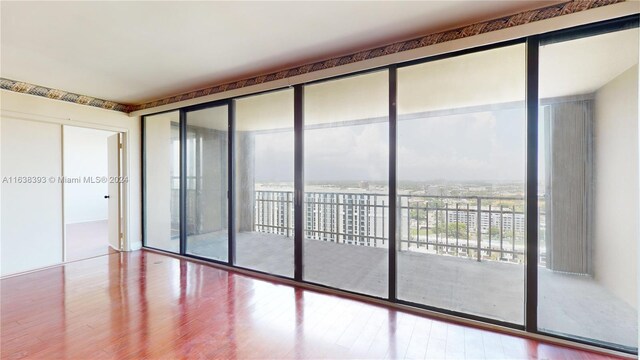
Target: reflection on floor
87,239
143,305
569,304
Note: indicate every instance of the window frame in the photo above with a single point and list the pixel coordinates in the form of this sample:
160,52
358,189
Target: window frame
532,102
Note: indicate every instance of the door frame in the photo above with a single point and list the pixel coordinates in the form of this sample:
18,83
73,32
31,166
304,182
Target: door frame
123,243
126,213
120,217
230,159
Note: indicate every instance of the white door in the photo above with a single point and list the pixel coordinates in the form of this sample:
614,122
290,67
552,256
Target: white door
113,197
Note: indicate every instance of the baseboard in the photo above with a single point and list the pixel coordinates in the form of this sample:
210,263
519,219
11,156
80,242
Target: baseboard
86,221
53,266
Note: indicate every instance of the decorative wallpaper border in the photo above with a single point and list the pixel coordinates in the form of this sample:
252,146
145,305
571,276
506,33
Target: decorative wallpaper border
506,22
26,88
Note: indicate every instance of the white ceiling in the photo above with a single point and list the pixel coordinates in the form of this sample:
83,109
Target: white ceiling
133,52
584,65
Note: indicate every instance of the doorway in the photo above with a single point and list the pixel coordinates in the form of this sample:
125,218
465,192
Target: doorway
92,189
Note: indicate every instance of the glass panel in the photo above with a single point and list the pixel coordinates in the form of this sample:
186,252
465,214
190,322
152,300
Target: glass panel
461,176
162,181
346,197
207,224
264,155
588,168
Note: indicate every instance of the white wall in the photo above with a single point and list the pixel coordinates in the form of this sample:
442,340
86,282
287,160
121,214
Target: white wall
85,155
616,184
31,231
21,107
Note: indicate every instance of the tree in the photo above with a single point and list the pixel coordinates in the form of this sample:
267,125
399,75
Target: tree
451,230
494,231
457,231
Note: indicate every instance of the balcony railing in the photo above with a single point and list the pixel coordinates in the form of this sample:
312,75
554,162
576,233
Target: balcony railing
477,227
482,228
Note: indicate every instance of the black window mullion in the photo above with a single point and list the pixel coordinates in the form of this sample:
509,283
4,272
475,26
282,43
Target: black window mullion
531,278
231,199
183,182
298,130
143,182
393,213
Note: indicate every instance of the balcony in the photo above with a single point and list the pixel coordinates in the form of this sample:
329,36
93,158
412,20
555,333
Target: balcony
458,253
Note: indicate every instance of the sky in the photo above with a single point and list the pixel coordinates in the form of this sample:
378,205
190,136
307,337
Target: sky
483,146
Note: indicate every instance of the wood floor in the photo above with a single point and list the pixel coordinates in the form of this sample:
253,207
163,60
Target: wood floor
147,305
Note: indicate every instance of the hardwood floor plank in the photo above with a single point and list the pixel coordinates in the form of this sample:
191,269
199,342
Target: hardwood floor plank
144,305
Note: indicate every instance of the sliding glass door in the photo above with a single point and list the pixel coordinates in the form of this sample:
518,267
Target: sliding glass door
206,226
162,185
346,192
588,188
264,202
461,176
219,183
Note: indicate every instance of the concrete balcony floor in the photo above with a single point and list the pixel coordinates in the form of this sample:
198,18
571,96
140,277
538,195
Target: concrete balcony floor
568,304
